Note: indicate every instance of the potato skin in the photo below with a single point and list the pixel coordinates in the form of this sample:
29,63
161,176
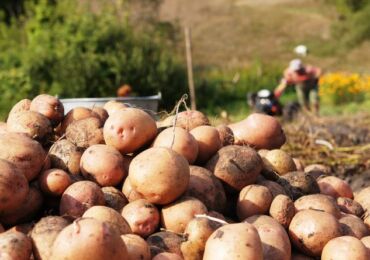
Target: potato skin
44,233
318,202
237,166
191,119
22,105
282,210
297,184
75,114
275,188
54,182
142,217
137,247
279,161
113,106
15,246
49,106
362,197
253,199
366,241
345,247
85,132
167,256
88,238
130,193
335,187
26,154
129,129
159,188
79,197
350,206
234,241
103,164
310,230
226,135
13,187
101,113
66,156
208,141
114,198
353,226
164,242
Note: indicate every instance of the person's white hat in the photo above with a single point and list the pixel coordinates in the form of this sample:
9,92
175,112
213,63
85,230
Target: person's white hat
295,65
301,50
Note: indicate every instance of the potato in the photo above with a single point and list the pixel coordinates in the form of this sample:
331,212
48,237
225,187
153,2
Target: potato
204,186
343,248
362,197
26,154
191,119
66,156
109,216
318,202
3,128
88,238
75,114
226,135
85,132
13,187
137,248
260,131
298,184
353,226
25,211
208,142
234,241
253,199
79,197
129,129
114,198
310,230
103,164
282,210
164,242
21,106
113,106
179,140
366,241
54,182
298,164
349,206
142,217
101,113
279,161
44,234
318,167
197,232
273,187
237,166
49,106
176,216
159,174
129,192
24,228
274,238
167,256
335,187
15,246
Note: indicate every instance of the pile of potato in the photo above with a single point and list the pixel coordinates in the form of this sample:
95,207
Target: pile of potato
112,183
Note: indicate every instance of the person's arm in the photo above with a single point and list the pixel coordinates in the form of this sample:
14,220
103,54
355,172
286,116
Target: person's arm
280,88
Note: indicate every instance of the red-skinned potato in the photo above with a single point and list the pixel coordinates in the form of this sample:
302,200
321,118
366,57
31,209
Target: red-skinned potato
113,106
49,106
318,202
208,142
310,230
114,198
130,193
142,217
260,131
15,246
103,164
176,216
353,226
350,206
190,119
226,135
159,188
75,114
234,241
282,210
129,129
66,156
179,140
165,241
344,248
137,247
79,197
88,238
54,182
335,187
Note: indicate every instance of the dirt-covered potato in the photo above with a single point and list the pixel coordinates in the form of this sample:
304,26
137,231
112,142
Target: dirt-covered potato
310,230
345,248
13,187
176,216
319,202
274,187
130,193
160,188
234,241
298,184
165,241
317,170
66,156
49,106
191,119
85,132
79,197
15,246
75,114
110,216
350,206
129,129
113,106
137,247
114,198
44,233
237,166
335,187
253,200
101,113
142,217
88,238
204,186
226,135
279,161
282,210
54,182
353,226
179,140
103,164
197,232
